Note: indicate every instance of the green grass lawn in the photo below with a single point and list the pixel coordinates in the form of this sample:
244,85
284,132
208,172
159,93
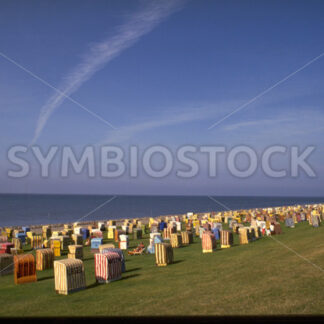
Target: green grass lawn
260,278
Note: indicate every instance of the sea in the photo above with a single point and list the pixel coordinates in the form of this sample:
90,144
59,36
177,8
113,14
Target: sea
32,209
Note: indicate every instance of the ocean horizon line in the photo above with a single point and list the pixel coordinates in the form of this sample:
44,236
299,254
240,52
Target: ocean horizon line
157,195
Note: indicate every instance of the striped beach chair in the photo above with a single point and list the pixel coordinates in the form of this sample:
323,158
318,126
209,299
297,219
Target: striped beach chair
208,242
69,276
226,239
163,254
108,267
25,268
120,253
44,259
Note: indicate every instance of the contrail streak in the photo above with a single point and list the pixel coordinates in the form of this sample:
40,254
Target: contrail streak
103,52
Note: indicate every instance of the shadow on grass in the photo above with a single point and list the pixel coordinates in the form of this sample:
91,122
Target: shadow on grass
45,278
177,261
134,269
235,245
130,276
94,285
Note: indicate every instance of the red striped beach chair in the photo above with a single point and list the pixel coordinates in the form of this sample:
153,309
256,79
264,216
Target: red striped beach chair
108,267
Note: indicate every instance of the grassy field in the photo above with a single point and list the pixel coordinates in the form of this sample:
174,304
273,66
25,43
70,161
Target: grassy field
263,277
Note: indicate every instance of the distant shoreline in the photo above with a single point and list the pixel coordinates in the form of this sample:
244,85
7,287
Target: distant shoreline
144,220
157,195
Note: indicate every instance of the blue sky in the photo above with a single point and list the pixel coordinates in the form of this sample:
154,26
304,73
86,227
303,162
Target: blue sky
162,73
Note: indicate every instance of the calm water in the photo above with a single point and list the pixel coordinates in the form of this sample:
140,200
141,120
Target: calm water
51,209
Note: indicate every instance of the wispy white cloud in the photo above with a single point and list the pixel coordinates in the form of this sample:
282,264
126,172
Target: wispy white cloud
287,124
301,121
256,123
124,133
176,116
101,53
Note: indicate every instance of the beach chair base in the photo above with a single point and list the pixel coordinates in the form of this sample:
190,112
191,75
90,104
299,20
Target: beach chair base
67,292
26,279
101,281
